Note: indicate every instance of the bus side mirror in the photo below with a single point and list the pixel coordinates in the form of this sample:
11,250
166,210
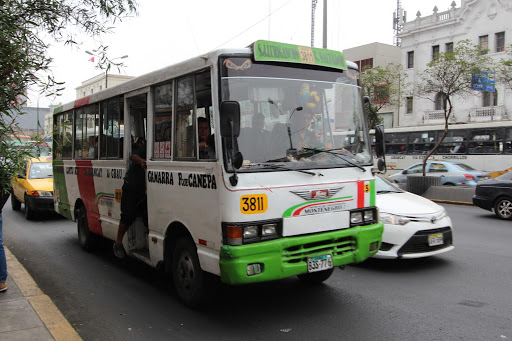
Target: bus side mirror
380,143
230,119
366,100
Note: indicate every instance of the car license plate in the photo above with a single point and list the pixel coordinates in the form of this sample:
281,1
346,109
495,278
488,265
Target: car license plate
319,263
435,239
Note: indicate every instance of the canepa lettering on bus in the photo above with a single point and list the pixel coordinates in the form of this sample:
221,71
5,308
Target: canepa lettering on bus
186,180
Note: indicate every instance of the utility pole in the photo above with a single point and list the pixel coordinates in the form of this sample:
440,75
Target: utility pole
313,7
324,45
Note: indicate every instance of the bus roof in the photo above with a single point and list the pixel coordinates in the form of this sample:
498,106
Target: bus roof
330,58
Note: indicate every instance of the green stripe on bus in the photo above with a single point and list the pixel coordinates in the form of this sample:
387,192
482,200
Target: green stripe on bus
372,193
59,184
265,50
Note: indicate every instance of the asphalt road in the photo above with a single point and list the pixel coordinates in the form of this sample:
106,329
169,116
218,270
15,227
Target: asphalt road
461,295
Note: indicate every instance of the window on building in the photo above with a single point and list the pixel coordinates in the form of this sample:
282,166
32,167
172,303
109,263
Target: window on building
435,52
483,42
409,105
448,47
440,101
500,42
381,93
490,99
366,64
410,59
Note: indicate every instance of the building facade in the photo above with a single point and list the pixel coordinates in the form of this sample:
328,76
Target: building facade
483,22
98,83
373,55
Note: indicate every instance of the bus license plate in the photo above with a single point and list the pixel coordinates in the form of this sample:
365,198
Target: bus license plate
319,263
435,239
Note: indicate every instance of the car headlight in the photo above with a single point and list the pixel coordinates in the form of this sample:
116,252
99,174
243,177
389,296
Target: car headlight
392,219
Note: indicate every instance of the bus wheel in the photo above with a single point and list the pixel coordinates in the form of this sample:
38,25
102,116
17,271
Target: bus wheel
87,239
193,285
29,212
15,203
316,277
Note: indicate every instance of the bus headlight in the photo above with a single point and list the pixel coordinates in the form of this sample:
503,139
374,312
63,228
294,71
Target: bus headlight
250,232
269,230
365,216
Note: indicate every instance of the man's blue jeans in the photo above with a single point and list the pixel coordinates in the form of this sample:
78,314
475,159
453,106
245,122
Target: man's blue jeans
3,262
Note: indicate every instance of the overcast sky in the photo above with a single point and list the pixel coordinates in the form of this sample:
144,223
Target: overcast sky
166,32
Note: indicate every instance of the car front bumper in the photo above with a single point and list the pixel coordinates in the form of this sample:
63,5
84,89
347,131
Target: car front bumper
40,203
411,240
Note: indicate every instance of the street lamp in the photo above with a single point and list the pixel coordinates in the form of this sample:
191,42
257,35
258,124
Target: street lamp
108,63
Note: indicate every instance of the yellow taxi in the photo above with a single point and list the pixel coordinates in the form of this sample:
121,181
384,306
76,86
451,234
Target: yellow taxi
34,187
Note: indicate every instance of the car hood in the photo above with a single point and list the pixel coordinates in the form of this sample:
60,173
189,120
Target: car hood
41,184
406,204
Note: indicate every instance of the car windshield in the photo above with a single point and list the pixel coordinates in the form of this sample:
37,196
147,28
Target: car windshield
301,118
506,176
383,185
40,170
463,166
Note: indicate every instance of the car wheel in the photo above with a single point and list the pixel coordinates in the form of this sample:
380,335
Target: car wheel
15,203
503,208
29,212
193,286
88,240
316,277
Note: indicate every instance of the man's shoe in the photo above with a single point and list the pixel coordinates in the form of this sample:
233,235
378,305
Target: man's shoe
119,250
3,286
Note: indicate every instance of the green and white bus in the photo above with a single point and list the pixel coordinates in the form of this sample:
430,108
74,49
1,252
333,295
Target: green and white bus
283,193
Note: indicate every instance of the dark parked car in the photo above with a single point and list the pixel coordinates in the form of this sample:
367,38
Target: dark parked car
495,195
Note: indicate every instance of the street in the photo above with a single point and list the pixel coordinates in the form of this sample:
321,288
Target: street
461,295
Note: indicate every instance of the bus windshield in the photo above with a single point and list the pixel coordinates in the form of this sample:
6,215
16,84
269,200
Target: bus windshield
304,117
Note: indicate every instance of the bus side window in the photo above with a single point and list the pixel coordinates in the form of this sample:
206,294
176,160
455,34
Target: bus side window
162,121
185,127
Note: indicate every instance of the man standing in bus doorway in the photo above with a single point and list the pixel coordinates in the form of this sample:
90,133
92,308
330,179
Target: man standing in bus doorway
133,195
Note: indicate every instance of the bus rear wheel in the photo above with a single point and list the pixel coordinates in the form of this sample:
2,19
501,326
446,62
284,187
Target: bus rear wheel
193,286
88,240
316,277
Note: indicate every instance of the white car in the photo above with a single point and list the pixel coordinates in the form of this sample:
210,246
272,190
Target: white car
414,227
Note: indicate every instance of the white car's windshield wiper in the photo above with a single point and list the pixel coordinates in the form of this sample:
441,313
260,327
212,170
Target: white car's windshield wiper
333,152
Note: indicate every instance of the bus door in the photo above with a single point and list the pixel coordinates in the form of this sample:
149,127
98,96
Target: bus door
136,106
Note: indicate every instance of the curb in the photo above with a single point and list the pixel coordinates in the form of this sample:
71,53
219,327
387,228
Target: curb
52,318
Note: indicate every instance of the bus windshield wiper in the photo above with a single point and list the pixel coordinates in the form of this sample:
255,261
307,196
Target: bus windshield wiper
332,151
271,166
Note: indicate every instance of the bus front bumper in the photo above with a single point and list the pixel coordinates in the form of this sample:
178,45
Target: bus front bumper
286,257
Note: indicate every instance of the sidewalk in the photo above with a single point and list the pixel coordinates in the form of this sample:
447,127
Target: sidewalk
27,313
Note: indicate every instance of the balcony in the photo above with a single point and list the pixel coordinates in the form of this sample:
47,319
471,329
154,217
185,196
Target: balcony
486,114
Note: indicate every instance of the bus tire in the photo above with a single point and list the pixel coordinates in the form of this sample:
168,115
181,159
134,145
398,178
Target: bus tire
316,277
193,286
29,212
88,241
503,208
15,203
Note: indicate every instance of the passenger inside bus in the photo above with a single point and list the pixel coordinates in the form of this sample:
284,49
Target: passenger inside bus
205,139
254,140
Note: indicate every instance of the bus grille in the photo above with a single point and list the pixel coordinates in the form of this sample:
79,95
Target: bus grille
335,247
419,242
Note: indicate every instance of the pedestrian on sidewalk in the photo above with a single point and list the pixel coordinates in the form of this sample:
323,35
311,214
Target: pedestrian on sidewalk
4,195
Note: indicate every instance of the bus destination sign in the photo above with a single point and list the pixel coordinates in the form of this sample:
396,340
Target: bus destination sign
265,50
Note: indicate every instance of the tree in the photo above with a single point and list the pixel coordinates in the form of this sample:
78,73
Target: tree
26,28
384,86
504,70
450,75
